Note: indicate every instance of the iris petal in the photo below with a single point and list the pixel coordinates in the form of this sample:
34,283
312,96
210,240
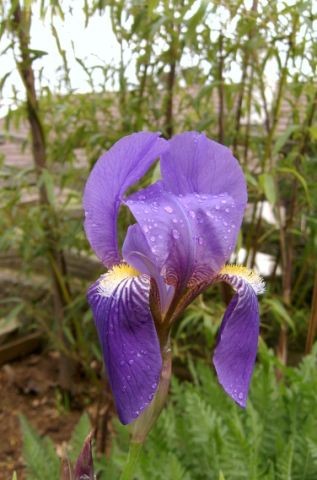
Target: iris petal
129,341
167,229
195,164
123,165
136,252
236,349
190,236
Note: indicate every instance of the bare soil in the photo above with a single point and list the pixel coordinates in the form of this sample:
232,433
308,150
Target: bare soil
29,387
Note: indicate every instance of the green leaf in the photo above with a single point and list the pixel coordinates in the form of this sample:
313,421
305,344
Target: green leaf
47,179
282,139
300,178
279,311
267,183
39,454
79,435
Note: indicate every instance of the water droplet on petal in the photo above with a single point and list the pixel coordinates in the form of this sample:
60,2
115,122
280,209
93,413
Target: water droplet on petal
130,362
152,239
145,229
175,220
240,396
217,207
122,363
175,234
227,210
192,213
154,385
168,209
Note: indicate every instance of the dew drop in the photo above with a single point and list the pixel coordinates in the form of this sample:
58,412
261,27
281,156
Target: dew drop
136,413
217,207
122,363
150,397
223,201
139,354
154,385
128,377
175,220
130,362
227,210
240,396
152,239
168,209
200,240
175,234
145,229
192,213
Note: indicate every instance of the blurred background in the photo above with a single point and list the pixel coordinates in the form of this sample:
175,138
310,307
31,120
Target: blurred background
74,78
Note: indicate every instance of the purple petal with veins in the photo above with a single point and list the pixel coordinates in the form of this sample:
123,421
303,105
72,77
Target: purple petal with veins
118,169
237,344
195,164
137,252
129,341
190,236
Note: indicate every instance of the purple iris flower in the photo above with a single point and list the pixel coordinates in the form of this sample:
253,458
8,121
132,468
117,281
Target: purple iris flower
186,229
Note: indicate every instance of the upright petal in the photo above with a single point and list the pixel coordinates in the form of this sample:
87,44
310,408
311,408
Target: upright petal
118,169
120,304
136,252
167,229
190,236
196,164
236,349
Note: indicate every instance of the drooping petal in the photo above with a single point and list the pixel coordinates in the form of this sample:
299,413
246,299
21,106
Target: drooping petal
190,236
136,252
196,164
236,349
120,304
118,169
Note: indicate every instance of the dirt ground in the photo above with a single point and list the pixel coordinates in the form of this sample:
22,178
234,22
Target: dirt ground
29,387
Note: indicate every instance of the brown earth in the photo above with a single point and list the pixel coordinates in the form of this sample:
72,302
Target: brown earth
29,387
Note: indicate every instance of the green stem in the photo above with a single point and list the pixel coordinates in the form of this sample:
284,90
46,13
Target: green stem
132,460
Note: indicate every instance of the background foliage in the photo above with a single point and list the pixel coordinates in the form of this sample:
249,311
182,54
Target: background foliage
242,72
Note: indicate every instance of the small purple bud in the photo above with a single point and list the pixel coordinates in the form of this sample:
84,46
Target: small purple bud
84,468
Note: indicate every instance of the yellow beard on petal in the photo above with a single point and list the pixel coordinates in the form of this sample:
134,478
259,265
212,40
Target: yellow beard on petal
110,280
250,276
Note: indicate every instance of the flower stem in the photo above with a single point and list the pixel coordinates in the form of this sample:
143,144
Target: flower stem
133,455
